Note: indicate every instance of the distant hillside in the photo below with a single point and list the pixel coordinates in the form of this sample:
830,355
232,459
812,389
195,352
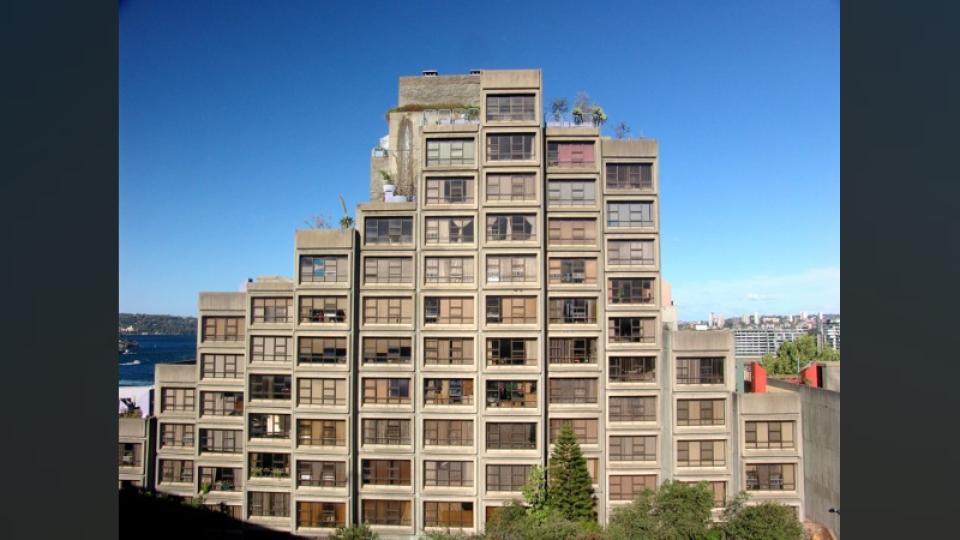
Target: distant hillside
141,323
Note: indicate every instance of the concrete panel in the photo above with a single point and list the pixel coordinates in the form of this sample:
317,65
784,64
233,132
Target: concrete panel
440,89
510,78
629,148
271,283
176,373
324,238
133,427
703,340
773,402
222,301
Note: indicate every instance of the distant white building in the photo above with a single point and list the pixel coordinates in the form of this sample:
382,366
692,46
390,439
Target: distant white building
830,333
760,341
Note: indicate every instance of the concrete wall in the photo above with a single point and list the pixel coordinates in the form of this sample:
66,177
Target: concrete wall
821,458
831,377
441,89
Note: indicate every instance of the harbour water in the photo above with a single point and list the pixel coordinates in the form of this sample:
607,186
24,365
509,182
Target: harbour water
136,367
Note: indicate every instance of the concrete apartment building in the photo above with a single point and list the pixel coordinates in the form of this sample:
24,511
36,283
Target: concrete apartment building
414,369
756,342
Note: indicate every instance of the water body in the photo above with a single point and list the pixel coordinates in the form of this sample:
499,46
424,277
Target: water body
136,367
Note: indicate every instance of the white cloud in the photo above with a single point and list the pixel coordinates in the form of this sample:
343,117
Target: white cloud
812,290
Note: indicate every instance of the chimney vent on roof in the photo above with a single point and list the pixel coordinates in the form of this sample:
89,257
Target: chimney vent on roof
474,71
430,73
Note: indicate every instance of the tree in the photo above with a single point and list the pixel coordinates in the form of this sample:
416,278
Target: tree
674,511
570,489
346,222
800,351
558,108
764,521
621,130
683,510
535,490
355,532
582,101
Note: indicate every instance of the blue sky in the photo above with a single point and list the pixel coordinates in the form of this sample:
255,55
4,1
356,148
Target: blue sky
240,120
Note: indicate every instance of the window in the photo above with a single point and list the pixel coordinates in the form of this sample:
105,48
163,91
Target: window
386,431
274,387
179,435
511,394
387,311
631,290
510,147
269,426
633,448
571,193
630,252
221,478
701,453
626,487
511,352
507,107
699,370
700,412
573,310
578,271
573,232
235,511
573,391
511,309
221,366
388,270
633,409
511,436
630,176
572,155
323,309
448,432
448,473
177,400
446,152
176,471
272,310
512,269
444,230
383,512
221,404
329,515
316,350
327,392
221,441
448,270
573,350
448,310
271,348
448,351
130,454
448,391
222,329
387,231
324,269
771,476
449,190
632,330
321,432
331,474
507,477
765,435
511,227
630,215
633,369
387,350
267,504
719,490
386,391
586,429
511,187
385,472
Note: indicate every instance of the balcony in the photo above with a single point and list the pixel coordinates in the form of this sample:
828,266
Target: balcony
586,121
449,117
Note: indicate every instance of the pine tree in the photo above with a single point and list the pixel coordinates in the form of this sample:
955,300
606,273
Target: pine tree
570,489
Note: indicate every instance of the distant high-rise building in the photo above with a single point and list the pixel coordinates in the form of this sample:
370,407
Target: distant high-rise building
752,342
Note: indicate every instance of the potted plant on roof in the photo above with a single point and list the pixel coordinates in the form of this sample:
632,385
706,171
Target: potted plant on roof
599,117
472,113
577,114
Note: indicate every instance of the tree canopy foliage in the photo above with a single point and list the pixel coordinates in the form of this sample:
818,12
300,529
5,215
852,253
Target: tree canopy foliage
802,349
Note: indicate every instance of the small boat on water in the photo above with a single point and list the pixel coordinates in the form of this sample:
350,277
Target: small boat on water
124,346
